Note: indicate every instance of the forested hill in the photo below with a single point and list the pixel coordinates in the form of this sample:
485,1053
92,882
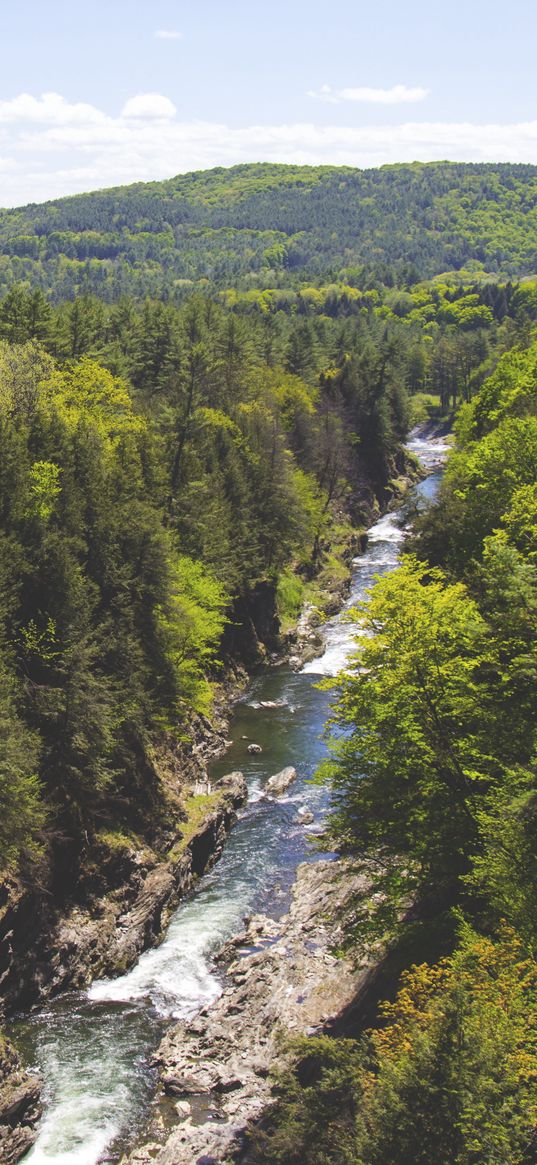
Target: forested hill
264,225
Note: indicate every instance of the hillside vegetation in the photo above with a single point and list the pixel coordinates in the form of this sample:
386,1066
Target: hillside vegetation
260,224
435,789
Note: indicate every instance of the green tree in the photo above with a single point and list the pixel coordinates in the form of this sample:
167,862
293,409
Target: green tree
418,708
22,812
316,1099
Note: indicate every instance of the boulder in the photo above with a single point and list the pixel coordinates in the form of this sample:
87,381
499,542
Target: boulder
254,748
280,782
304,816
183,1109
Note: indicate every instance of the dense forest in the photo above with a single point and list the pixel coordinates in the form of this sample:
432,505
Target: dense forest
205,389
152,526
261,226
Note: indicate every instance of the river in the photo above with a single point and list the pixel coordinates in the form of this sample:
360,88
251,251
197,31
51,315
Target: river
93,1049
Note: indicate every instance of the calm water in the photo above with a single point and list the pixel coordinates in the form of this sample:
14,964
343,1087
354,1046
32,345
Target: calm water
93,1049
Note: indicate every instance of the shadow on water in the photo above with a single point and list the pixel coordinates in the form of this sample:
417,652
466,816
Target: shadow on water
93,1050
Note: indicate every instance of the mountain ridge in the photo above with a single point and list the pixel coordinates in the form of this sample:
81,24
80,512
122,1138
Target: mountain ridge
264,224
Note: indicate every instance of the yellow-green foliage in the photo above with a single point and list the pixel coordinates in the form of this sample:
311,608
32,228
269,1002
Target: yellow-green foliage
258,222
85,389
311,506
415,754
192,625
118,841
23,368
289,596
423,406
511,391
457,1062
520,521
295,398
44,489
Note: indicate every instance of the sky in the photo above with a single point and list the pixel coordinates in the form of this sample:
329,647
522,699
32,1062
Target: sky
105,92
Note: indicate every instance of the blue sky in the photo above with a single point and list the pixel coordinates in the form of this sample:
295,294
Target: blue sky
110,91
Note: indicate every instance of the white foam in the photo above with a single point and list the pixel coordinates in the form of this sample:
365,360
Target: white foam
47,1150
381,555
387,529
431,451
177,980
175,977
78,1128
333,661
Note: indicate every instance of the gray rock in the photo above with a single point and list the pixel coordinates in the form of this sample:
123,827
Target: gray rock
280,782
254,748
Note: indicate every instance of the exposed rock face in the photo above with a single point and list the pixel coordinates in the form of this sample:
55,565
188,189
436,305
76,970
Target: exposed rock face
128,902
20,1107
280,782
219,1063
253,627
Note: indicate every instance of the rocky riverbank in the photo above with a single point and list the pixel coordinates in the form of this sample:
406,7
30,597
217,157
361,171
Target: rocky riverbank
20,1106
123,905
126,909
283,980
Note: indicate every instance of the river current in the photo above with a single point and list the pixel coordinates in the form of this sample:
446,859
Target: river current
93,1049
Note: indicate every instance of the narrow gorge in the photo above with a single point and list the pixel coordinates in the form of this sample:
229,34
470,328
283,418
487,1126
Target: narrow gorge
97,1050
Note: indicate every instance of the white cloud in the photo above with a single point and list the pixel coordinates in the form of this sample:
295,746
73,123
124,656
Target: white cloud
49,108
50,147
397,95
147,106
168,34
325,93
